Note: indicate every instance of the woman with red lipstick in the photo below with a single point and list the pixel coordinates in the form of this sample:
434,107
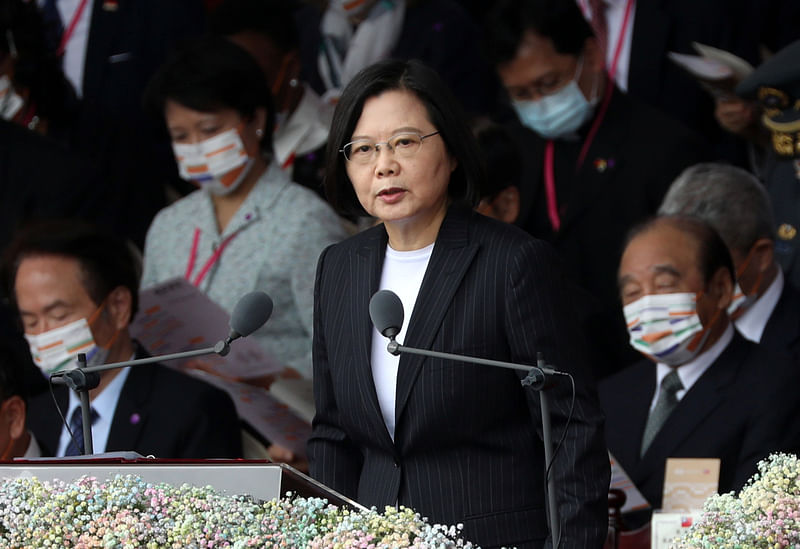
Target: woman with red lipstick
456,442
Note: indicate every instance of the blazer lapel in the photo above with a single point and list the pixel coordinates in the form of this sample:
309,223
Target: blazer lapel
131,414
783,326
366,264
102,31
701,400
451,257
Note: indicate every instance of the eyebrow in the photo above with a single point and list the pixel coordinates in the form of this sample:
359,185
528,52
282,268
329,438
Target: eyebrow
404,129
657,269
48,308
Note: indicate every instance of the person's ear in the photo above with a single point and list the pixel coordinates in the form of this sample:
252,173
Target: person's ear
119,304
763,254
14,414
720,289
593,57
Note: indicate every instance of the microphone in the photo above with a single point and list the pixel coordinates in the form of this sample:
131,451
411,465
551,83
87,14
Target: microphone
250,313
386,312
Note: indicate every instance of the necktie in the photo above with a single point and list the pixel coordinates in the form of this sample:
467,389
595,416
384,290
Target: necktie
666,402
599,24
76,425
53,26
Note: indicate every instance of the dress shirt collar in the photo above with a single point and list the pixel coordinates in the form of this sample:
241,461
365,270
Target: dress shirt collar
754,319
260,198
690,372
33,450
306,129
105,404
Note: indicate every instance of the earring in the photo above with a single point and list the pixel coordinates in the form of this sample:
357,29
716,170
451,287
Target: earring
294,82
259,132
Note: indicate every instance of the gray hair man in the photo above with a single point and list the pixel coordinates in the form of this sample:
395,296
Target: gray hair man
736,205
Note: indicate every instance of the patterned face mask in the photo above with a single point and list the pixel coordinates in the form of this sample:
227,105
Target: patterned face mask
218,164
666,327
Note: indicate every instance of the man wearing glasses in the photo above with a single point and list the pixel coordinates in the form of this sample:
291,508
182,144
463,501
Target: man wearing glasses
595,161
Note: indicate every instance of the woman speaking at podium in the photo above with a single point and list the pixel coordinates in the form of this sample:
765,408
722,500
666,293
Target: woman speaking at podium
459,443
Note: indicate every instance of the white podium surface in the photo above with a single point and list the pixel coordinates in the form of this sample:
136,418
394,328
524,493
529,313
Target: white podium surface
260,480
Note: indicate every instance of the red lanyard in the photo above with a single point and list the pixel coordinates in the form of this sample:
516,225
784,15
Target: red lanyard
549,175
211,260
71,27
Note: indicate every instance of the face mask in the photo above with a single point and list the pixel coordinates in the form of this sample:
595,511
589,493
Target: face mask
666,327
218,164
351,8
57,350
742,301
10,101
558,114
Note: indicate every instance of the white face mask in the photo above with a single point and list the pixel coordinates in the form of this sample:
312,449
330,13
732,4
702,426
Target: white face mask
10,101
57,349
666,327
741,302
561,113
218,164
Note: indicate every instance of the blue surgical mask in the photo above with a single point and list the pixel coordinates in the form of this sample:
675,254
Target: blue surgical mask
560,113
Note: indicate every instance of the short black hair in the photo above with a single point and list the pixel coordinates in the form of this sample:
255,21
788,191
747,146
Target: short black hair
106,261
209,74
712,250
272,19
443,110
560,21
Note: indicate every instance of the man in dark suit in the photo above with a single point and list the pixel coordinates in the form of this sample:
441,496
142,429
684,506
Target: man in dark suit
76,291
705,391
595,161
765,309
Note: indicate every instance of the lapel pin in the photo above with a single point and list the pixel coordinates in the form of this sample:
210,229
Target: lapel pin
602,164
135,418
110,5
786,232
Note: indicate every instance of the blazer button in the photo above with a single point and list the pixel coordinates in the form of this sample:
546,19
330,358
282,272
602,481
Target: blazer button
396,464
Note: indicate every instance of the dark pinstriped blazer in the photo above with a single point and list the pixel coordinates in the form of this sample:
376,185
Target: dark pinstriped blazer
466,448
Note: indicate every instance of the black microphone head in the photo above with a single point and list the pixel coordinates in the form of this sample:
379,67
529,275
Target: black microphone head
386,312
250,313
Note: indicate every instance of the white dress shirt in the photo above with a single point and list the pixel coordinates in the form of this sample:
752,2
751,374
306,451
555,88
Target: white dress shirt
615,16
402,273
690,372
75,51
33,450
752,322
104,404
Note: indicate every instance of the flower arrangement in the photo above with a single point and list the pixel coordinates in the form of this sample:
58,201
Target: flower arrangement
127,512
765,514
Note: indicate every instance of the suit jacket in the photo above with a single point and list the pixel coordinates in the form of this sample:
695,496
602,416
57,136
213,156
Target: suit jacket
782,180
160,412
466,448
739,410
632,160
782,332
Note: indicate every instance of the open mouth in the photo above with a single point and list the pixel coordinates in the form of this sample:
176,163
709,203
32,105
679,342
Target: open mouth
393,191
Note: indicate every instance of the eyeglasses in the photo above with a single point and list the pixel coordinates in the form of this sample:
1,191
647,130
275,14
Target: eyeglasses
364,151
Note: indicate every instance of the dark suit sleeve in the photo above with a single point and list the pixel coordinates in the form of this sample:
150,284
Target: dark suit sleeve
540,318
333,458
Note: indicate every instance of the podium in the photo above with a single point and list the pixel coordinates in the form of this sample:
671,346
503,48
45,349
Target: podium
259,479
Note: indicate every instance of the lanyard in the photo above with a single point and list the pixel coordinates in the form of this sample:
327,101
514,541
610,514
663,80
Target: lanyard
549,175
71,27
211,260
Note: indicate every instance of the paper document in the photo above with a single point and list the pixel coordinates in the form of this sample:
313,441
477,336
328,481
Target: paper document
175,316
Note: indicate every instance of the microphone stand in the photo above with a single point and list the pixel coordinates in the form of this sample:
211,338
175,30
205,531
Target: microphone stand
536,380
85,378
